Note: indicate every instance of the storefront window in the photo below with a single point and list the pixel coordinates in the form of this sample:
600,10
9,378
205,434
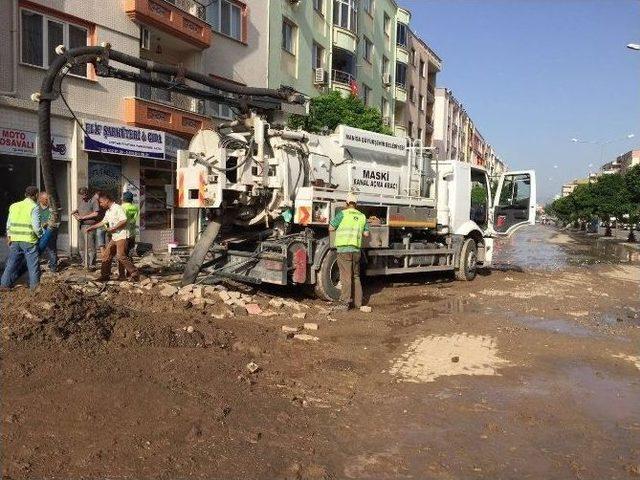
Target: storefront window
157,187
106,177
16,173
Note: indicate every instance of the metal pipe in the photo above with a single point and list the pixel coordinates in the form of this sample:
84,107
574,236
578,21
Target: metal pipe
100,56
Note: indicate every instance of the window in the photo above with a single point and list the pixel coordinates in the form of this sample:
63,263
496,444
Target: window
288,36
421,103
318,6
368,49
345,14
401,38
413,57
317,56
386,25
401,74
410,129
366,94
423,70
226,17
384,107
419,137
367,6
42,34
385,66
219,110
412,94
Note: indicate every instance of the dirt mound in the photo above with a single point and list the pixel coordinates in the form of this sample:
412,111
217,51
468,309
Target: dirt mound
59,313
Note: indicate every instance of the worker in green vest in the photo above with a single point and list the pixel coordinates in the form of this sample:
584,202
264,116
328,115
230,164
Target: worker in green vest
350,225
23,230
132,211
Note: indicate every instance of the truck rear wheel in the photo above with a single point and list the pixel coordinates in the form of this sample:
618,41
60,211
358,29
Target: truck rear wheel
467,261
327,285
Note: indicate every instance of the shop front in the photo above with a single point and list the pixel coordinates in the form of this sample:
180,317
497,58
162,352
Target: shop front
142,161
20,168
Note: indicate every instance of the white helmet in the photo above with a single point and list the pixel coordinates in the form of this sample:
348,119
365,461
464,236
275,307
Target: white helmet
352,198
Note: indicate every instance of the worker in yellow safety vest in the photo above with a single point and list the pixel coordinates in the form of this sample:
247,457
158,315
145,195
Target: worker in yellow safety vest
132,211
350,226
23,231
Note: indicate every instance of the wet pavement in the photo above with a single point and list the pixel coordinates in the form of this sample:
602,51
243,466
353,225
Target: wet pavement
546,248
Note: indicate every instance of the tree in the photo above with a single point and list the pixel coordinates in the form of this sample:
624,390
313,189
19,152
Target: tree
632,185
610,194
331,109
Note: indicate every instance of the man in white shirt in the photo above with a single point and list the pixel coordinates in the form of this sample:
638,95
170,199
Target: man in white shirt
115,222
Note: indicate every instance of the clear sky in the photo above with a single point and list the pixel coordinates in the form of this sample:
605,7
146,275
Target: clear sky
532,74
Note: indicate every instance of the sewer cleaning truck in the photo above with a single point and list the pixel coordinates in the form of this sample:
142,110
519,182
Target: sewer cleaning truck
267,194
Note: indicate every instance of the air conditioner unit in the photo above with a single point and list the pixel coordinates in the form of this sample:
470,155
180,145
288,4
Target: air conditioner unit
320,75
386,79
386,121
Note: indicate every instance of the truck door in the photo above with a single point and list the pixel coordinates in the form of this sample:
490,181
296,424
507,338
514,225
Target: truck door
514,204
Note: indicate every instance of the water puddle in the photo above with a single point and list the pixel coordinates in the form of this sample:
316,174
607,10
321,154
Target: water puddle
428,358
603,396
564,327
544,248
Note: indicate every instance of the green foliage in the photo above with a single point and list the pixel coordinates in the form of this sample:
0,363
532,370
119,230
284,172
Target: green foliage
329,110
612,195
478,195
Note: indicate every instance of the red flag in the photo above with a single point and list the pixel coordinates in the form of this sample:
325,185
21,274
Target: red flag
353,85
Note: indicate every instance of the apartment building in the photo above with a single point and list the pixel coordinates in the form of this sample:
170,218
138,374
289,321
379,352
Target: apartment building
415,89
627,160
170,32
456,137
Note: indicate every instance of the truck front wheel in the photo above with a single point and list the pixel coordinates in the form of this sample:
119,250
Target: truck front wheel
467,261
327,285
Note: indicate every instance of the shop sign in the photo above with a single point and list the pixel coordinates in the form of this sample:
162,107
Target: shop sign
123,140
22,143
173,143
17,142
372,142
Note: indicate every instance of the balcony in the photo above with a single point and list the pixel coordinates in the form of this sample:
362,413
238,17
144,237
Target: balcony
400,131
184,19
342,81
345,39
402,54
169,111
400,93
430,95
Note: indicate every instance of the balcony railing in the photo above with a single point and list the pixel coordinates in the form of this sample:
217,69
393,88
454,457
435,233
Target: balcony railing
169,98
339,76
193,7
401,85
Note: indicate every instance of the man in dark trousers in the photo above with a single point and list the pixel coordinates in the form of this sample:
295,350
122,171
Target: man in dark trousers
23,232
350,225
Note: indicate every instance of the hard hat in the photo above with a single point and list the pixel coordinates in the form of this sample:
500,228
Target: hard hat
352,198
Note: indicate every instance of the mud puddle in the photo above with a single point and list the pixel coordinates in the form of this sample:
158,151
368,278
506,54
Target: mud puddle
544,248
555,325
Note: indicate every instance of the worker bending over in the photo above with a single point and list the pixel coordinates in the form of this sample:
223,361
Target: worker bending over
115,223
350,226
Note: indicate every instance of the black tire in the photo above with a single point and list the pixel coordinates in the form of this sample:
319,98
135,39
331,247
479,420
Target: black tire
467,261
192,268
327,285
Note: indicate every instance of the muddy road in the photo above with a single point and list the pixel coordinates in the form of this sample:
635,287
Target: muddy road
530,371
